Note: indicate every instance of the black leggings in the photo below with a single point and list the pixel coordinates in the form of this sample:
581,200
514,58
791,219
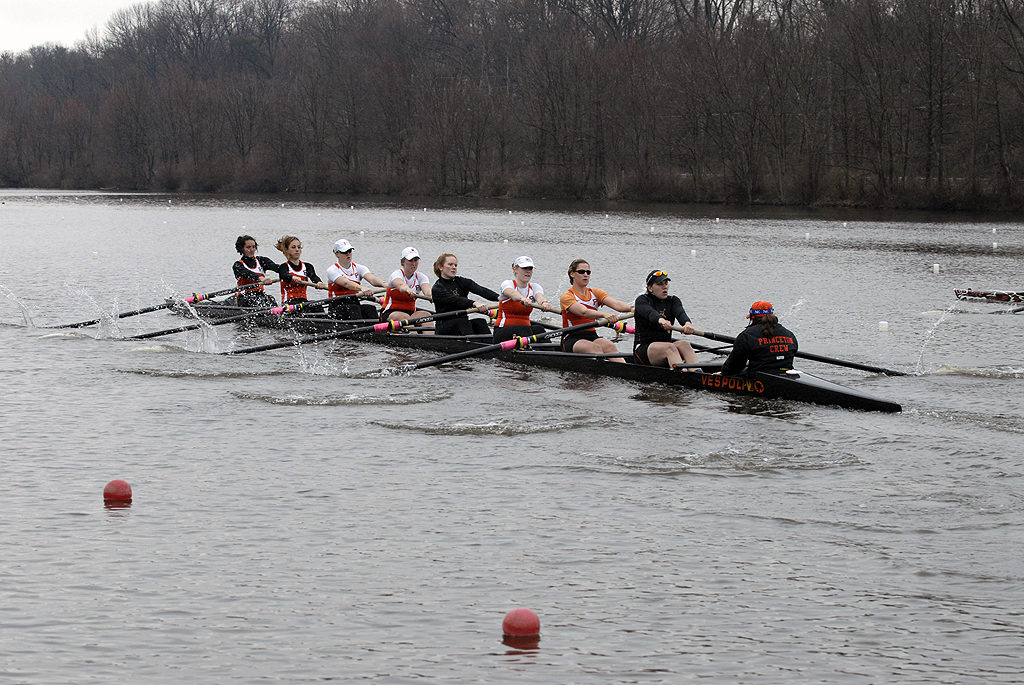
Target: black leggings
460,326
503,333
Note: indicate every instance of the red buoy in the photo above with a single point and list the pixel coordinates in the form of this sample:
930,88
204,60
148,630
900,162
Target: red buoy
117,491
521,623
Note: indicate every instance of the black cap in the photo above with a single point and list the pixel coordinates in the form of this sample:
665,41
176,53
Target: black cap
657,276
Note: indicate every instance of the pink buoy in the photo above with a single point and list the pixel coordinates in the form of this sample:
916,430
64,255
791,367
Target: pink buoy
117,491
521,623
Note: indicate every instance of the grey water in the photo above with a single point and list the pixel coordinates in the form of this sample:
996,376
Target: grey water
296,519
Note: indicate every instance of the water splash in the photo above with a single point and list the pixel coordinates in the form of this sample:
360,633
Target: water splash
796,307
26,317
931,334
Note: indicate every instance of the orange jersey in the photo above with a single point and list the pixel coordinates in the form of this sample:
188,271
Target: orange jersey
291,290
351,273
246,281
396,300
513,313
593,299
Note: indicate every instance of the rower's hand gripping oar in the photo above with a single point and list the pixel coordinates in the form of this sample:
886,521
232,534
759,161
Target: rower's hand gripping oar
618,326
519,343
814,357
383,327
192,299
269,311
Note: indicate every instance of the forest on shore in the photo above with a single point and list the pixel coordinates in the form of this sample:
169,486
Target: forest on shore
873,103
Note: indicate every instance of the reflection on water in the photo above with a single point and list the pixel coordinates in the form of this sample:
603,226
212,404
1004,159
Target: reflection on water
521,645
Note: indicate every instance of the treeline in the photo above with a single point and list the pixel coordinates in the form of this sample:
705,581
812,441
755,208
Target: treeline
912,103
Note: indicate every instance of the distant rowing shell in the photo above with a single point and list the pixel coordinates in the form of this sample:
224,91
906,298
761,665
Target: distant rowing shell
990,295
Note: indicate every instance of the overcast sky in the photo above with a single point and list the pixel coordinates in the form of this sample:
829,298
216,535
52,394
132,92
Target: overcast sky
24,23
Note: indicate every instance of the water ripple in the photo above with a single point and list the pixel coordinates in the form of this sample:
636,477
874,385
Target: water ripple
990,372
351,399
500,427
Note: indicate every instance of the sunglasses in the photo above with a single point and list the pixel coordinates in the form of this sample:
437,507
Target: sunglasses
584,272
659,274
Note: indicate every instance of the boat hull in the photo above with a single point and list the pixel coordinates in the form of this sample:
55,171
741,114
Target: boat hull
989,295
794,385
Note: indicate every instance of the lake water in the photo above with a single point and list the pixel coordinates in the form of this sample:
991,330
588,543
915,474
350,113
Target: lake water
296,520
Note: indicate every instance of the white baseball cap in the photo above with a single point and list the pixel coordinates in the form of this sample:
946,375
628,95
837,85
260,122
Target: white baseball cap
410,253
343,246
523,262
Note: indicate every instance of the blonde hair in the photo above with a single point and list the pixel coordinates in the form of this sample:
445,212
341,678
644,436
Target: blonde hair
284,242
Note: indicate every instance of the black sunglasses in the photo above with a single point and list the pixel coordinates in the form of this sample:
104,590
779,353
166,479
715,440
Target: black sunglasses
585,272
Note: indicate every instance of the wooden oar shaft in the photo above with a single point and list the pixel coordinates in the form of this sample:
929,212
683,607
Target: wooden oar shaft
192,299
810,355
376,328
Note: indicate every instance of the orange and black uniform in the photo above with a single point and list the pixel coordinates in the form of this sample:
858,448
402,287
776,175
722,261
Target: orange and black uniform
248,271
648,309
592,299
758,351
293,292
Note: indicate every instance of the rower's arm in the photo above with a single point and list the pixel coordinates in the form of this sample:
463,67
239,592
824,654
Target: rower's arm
374,280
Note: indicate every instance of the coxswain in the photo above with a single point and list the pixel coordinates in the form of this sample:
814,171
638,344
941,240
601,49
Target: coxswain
296,275
519,297
764,345
403,286
349,278
656,313
250,269
451,293
580,304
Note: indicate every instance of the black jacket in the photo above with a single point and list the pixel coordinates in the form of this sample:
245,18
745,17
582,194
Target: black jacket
758,352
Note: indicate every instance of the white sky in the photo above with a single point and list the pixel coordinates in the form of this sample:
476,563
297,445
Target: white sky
24,23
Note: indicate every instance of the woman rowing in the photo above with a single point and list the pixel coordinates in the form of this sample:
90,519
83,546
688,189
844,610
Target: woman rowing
296,275
519,296
403,287
764,345
451,293
656,312
580,304
348,278
250,269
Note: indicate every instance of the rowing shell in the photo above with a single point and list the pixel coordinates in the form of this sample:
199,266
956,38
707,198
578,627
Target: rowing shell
990,295
794,385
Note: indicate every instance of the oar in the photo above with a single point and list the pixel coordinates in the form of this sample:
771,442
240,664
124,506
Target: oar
809,355
192,299
273,311
703,348
1017,310
514,343
375,328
